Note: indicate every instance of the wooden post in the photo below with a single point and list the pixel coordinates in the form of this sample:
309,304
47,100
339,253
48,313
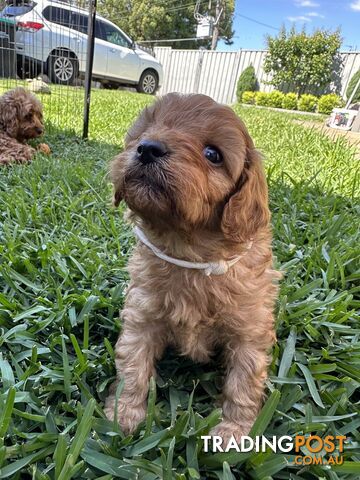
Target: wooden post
215,35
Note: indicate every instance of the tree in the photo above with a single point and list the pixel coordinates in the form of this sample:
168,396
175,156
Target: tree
247,82
162,20
302,62
223,11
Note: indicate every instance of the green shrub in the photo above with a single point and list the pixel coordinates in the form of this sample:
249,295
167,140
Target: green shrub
247,82
248,97
262,99
328,102
290,101
307,103
352,84
275,99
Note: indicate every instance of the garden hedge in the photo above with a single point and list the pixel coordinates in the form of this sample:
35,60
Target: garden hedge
290,101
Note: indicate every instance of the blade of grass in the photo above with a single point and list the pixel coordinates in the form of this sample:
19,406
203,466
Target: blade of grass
311,385
288,354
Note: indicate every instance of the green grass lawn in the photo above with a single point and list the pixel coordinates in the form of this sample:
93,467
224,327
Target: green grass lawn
63,255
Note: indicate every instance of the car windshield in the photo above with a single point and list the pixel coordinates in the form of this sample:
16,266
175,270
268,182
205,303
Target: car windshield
15,9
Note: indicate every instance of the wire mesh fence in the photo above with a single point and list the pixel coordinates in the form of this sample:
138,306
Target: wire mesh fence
43,47
49,46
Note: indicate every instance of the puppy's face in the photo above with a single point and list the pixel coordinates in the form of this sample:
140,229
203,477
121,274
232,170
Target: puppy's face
31,121
190,163
21,114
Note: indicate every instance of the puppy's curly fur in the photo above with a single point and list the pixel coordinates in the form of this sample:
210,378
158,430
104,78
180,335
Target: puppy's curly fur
195,210
20,120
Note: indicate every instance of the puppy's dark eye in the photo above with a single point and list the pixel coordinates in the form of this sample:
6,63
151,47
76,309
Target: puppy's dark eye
28,116
213,155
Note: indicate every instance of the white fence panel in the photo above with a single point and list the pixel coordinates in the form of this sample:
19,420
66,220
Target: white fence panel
216,73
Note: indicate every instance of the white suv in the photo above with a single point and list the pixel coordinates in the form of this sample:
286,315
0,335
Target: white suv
53,36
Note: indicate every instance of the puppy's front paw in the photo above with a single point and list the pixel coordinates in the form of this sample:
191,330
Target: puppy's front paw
128,416
44,148
227,429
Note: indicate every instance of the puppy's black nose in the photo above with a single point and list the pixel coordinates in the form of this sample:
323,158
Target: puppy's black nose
150,151
39,130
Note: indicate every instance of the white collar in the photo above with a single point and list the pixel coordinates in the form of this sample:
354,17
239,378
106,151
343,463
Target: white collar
209,268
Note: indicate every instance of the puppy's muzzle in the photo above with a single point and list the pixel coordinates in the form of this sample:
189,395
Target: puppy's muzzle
150,151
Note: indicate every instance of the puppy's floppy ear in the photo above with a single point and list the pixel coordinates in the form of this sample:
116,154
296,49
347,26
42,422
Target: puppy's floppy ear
247,209
9,121
117,197
117,178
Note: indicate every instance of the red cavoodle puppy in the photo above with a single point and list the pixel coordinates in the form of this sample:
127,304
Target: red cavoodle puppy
21,119
201,273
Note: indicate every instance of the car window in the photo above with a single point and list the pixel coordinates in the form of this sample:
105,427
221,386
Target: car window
99,31
57,15
15,10
110,34
79,22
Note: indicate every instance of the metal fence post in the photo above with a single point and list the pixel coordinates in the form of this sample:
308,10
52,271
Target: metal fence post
89,65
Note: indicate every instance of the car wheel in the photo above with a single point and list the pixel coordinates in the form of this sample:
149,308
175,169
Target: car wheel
148,82
63,68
